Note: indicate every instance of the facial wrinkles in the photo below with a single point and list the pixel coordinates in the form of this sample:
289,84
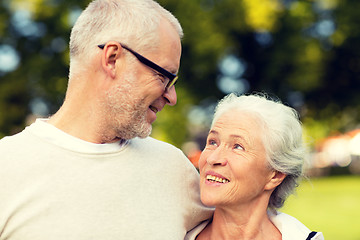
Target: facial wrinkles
244,133
126,113
254,155
228,132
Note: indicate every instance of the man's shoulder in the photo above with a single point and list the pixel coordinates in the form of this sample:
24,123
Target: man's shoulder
153,143
15,148
21,144
8,141
152,148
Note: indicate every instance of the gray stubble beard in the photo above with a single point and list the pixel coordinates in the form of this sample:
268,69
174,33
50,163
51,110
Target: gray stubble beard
126,116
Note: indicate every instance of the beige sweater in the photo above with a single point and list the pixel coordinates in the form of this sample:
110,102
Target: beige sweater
51,189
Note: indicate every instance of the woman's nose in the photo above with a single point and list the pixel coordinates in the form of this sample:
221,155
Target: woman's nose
217,158
170,96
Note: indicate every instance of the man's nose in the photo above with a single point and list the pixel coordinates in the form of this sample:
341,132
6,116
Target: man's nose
170,96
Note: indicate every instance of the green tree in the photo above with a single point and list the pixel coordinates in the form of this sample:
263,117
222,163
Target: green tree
304,52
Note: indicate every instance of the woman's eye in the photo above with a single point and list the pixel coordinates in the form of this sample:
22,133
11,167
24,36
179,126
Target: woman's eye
212,142
238,147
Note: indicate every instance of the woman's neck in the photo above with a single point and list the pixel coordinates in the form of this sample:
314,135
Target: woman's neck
244,224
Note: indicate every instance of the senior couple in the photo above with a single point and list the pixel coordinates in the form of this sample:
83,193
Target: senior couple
90,171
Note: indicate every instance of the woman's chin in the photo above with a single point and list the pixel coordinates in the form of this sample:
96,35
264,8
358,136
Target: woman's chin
208,201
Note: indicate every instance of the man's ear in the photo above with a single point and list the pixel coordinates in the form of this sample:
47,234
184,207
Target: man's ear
110,55
275,180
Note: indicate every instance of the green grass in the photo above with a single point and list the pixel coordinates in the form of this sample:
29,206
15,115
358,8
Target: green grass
330,205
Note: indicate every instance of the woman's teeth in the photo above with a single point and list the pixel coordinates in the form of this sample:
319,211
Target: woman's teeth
216,179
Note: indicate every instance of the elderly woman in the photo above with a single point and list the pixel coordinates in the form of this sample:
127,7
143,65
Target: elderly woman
253,159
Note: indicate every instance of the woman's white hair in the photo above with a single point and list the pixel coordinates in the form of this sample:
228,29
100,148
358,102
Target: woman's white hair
281,132
131,22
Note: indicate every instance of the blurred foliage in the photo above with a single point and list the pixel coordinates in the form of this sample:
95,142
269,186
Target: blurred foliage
304,52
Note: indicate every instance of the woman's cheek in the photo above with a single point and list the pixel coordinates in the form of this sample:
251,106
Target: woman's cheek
202,159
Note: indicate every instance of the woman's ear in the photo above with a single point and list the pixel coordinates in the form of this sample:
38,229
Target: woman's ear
110,55
275,180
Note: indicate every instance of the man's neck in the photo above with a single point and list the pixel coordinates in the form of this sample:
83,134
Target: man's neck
82,123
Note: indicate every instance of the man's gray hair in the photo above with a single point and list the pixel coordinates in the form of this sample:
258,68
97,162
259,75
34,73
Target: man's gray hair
131,22
281,132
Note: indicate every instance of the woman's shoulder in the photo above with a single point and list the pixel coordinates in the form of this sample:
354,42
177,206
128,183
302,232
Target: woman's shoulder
192,234
291,228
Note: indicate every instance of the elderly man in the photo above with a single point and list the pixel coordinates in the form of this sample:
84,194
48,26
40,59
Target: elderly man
90,171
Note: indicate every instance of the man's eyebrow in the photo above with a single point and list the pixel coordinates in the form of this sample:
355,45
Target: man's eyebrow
171,70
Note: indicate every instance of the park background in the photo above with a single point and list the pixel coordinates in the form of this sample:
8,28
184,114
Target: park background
307,53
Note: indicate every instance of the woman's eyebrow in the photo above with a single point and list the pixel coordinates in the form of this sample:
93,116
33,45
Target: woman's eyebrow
237,136
213,132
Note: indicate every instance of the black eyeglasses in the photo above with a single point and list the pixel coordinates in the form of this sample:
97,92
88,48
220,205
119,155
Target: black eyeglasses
172,77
